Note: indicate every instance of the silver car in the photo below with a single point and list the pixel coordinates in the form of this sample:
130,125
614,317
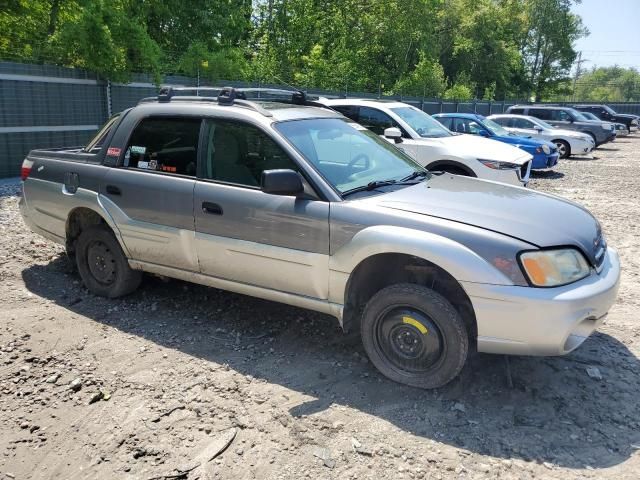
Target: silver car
569,142
298,204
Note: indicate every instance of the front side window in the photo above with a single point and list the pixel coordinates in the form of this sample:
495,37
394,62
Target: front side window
421,123
561,116
345,154
375,120
466,125
238,153
168,145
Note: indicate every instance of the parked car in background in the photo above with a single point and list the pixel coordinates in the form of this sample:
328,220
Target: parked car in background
608,114
545,154
569,142
620,128
298,204
568,118
435,147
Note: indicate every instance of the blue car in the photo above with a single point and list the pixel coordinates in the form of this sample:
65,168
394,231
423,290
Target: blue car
545,154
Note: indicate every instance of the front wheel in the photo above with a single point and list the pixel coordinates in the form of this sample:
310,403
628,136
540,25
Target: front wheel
564,149
414,336
103,265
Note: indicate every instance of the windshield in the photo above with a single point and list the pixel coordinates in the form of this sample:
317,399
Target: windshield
421,123
495,128
589,116
609,109
347,155
581,116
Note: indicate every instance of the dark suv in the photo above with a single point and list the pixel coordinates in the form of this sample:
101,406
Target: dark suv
608,114
569,119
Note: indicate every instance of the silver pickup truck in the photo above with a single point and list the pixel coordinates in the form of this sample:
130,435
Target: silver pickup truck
297,204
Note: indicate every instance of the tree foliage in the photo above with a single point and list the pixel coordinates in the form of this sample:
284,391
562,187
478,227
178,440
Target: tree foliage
610,84
457,48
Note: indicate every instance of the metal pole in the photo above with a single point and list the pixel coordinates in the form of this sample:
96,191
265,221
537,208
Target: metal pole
109,107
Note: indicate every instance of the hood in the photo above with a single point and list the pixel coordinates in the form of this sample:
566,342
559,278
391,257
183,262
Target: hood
539,219
524,141
480,147
626,115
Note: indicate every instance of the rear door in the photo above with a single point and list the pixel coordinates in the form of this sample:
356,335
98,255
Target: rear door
248,236
150,194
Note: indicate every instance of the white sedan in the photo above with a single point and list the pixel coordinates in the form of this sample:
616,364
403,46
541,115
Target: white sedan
569,142
435,147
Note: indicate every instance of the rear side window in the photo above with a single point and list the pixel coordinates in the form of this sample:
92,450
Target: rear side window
168,145
517,111
541,113
96,143
521,123
503,122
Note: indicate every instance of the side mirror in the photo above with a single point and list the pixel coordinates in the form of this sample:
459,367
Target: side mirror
282,182
393,133
539,129
484,133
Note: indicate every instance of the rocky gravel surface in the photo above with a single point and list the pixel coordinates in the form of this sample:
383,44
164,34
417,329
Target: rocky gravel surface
179,381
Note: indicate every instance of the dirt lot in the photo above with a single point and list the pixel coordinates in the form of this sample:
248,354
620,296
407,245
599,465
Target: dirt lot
183,370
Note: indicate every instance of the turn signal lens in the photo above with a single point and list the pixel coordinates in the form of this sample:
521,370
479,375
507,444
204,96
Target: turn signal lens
551,268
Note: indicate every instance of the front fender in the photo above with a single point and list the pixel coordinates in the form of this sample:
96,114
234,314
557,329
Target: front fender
459,261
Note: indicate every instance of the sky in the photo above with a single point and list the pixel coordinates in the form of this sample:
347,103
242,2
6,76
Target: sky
615,32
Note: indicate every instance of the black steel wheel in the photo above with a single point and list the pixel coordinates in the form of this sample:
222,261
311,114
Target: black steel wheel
102,264
413,335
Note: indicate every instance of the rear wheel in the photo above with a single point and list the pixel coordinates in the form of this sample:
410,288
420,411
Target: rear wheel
564,149
103,265
414,336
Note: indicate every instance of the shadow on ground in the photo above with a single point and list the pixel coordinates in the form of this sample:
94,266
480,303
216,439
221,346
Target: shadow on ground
551,174
554,413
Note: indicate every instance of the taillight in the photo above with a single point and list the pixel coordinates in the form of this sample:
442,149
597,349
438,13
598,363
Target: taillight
26,169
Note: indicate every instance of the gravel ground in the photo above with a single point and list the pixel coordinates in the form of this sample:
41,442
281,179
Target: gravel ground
155,385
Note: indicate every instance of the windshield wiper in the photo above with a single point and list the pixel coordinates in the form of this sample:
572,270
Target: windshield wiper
383,183
414,175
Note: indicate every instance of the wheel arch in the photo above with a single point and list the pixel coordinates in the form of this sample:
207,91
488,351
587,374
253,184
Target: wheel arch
382,270
454,164
81,218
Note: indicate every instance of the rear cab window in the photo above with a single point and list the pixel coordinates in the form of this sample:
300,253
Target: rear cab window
97,142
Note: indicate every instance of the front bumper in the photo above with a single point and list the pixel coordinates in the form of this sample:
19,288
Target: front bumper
542,161
543,321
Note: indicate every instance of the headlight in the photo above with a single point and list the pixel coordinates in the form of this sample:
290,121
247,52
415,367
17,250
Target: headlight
546,149
496,165
551,268
607,126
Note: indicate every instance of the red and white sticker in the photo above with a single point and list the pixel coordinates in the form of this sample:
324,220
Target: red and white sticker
113,152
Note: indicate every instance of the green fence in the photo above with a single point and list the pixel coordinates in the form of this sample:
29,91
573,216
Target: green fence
44,106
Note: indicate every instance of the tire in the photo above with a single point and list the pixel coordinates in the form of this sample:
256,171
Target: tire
453,170
414,336
102,264
564,149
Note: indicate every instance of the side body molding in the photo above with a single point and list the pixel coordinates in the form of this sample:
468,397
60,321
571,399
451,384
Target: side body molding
461,262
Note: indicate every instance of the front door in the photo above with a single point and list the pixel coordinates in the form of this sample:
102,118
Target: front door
150,196
248,236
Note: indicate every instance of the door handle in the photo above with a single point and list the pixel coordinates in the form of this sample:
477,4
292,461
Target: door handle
212,208
113,190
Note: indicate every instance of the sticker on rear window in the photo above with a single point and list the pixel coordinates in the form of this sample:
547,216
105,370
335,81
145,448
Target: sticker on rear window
113,152
140,150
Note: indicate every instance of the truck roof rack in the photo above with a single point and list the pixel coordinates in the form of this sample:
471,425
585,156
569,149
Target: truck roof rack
236,96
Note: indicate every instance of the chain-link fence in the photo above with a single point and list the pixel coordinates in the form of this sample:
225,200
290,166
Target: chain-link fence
44,106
